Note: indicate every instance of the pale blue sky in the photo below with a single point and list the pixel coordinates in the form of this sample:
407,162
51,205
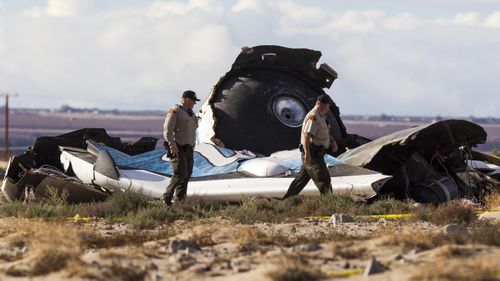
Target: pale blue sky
394,57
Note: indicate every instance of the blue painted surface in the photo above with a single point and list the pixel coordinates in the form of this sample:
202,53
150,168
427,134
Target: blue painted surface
152,161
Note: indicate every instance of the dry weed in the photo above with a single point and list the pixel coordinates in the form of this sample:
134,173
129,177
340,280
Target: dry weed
486,235
95,240
349,251
450,213
456,251
460,269
51,246
493,200
292,270
409,239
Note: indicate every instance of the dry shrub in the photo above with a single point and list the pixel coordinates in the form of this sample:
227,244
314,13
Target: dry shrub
251,239
455,251
203,235
460,269
51,246
95,240
493,200
450,213
409,239
349,251
115,270
291,270
125,272
486,235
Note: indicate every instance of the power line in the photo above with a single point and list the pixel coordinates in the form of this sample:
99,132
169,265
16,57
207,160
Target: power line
6,109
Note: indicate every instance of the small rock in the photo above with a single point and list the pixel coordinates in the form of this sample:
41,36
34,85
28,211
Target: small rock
347,265
490,216
189,246
198,268
340,218
398,257
181,261
308,247
454,230
373,267
152,266
96,264
240,265
418,205
414,251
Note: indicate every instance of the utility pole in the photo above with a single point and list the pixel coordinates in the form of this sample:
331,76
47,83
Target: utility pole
6,144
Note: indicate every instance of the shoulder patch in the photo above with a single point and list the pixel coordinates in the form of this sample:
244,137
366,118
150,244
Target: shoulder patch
172,111
312,118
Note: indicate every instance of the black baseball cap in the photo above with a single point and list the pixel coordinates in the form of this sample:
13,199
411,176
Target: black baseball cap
325,99
190,94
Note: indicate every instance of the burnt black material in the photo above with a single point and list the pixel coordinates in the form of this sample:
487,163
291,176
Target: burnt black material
242,101
46,149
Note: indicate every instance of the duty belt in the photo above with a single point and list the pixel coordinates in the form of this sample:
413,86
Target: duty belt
185,147
314,149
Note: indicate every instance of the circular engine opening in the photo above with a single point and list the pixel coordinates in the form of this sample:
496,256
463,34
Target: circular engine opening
289,111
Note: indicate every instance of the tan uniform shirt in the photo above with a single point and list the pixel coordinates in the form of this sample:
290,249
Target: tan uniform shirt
316,125
180,127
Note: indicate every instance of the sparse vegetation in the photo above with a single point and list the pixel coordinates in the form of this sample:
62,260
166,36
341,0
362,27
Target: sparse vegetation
449,213
496,152
291,270
460,269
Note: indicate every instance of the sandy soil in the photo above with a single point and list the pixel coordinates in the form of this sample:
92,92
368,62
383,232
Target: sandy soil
218,249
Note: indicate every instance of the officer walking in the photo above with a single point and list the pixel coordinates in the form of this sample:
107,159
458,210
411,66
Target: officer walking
179,131
315,139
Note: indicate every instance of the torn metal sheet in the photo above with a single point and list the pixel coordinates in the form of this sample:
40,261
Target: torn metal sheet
264,98
424,160
49,183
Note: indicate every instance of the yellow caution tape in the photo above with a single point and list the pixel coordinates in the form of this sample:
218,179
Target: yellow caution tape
389,216
488,211
346,273
393,216
80,219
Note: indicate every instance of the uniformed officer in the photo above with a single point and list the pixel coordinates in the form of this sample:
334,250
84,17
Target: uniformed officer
315,139
179,131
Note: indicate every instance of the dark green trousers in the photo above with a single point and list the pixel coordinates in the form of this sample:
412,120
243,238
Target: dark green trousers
315,170
182,166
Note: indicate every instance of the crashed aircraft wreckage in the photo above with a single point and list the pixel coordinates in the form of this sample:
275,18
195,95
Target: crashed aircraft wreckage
259,105
247,138
430,163
219,173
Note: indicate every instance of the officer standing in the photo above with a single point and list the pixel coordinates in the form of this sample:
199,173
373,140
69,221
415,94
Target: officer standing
179,131
315,139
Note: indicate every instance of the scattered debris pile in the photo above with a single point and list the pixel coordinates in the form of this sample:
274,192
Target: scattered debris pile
431,163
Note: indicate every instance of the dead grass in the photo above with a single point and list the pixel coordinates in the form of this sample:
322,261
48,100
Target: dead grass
292,270
449,213
488,234
410,238
93,240
349,251
493,200
51,246
496,152
456,251
460,269
253,210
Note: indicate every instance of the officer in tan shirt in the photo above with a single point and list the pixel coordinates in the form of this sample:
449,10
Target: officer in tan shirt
315,139
179,131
